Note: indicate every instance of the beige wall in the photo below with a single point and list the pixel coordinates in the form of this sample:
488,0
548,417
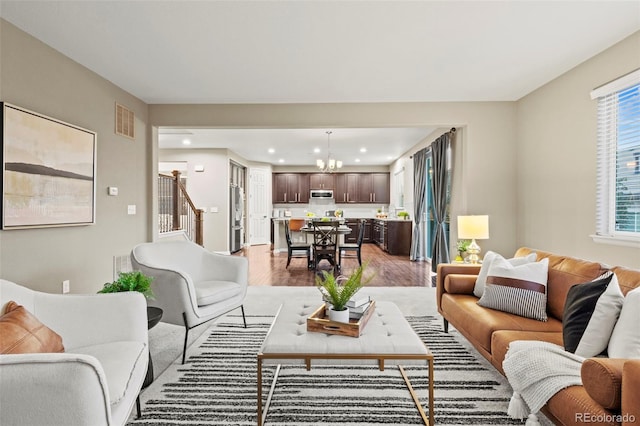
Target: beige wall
486,142
530,165
39,78
556,133
207,189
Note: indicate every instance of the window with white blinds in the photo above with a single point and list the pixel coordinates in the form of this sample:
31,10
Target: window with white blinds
618,168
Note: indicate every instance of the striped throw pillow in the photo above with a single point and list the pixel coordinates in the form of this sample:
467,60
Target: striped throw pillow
517,289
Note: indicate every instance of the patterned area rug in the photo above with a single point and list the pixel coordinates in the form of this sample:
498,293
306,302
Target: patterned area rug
217,385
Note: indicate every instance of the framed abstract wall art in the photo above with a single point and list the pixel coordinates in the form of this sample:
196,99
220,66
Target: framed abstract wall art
48,171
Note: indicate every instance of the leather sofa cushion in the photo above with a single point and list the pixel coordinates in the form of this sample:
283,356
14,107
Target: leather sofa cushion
630,392
459,284
23,333
501,339
602,378
628,279
573,406
464,312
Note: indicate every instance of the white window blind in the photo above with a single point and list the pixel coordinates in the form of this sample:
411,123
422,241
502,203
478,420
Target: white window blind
618,167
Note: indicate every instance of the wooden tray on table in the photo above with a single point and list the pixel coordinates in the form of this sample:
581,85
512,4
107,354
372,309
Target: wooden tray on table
319,322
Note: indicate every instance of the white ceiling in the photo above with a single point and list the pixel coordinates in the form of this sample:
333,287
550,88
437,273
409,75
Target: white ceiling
295,147
326,51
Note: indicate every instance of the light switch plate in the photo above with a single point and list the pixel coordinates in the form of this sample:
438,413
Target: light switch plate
131,209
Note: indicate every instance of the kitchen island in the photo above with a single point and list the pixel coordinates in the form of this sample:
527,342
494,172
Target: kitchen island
391,235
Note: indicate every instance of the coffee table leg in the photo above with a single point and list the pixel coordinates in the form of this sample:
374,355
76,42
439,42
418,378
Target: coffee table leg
432,418
259,391
415,398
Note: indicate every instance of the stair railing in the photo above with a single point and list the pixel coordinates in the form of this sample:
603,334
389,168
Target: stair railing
176,210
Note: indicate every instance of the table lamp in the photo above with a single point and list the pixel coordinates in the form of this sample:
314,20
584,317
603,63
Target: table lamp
470,228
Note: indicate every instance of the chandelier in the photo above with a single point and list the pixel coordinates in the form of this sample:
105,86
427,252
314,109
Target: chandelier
331,164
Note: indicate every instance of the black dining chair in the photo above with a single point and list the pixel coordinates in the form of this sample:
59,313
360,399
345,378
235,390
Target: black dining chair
325,242
296,249
349,247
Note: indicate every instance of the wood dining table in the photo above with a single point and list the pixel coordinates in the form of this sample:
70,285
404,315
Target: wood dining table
341,230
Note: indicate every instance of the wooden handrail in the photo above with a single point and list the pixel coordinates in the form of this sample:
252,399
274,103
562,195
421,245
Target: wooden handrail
183,213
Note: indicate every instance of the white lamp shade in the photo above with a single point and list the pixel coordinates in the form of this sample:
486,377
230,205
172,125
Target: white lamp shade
473,227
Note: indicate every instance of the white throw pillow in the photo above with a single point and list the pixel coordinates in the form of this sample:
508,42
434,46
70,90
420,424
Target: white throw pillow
520,290
625,339
489,257
596,336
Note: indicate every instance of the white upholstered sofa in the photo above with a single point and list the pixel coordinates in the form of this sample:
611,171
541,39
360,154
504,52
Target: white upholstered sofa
97,378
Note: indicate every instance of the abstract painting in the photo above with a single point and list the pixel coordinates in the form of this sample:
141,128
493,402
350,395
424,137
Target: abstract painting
49,171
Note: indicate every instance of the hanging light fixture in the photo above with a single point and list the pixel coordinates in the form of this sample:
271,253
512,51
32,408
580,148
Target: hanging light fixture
331,164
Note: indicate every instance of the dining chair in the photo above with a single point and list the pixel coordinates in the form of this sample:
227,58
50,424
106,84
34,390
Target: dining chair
296,249
325,242
350,247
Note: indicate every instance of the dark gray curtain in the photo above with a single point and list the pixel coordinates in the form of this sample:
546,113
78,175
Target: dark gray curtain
418,243
439,186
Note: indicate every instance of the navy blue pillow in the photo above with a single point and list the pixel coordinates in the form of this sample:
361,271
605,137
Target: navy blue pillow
578,308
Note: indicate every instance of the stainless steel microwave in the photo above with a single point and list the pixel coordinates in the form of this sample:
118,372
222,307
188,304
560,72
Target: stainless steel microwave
321,194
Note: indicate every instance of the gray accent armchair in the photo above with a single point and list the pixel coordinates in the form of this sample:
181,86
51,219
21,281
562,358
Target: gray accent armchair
190,284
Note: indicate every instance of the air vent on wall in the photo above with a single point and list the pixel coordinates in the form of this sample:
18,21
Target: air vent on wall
124,121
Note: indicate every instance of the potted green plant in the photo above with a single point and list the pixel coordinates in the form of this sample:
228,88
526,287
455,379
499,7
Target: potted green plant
461,247
338,291
130,281
404,215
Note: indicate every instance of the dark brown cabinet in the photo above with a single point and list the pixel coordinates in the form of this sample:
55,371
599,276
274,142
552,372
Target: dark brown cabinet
321,181
381,188
290,188
393,236
346,188
362,188
355,225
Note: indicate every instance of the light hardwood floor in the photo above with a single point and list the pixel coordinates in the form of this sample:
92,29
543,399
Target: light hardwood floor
267,269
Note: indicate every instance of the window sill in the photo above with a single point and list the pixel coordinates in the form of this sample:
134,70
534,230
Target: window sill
617,241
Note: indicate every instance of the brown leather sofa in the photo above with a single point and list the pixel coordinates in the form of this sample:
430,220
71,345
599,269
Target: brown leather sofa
610,394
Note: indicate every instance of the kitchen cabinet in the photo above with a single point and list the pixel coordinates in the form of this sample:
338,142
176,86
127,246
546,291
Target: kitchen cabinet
321,181
355,225
290,188
354,188
363,188
393,236
381,188
346,188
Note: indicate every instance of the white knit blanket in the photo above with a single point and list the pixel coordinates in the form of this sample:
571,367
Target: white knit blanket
538,370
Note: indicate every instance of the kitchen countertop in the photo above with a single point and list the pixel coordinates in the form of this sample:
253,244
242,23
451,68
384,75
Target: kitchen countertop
390,219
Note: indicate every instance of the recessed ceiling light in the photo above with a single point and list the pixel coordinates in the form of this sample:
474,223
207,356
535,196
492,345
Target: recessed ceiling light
357,160
186,142
316,150
389,157
281,160
271,150
363,149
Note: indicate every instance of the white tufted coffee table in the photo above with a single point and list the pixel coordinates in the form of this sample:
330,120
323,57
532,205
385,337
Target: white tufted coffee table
387,337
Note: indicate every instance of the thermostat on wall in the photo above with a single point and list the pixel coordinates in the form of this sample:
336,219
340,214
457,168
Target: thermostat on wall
199,168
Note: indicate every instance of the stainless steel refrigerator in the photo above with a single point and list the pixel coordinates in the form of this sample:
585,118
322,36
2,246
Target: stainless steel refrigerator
237,218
